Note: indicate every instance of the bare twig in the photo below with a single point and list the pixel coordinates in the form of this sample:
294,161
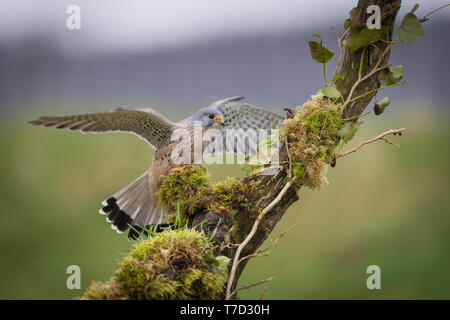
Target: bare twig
374,70
379,137
276,174
425,18
228,294
341,50
261,252
414,8
289,157
274,243
248,286
262,293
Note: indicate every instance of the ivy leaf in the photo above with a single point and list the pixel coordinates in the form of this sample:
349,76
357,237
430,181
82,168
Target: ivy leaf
379,107
390,76
222,268
410,29
217,264
347,24
336,77
209,259
383,78
385,102
331,92
397,72
362,38
319,52
348,130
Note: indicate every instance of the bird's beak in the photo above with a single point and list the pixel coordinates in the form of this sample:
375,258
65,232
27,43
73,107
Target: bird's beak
220,121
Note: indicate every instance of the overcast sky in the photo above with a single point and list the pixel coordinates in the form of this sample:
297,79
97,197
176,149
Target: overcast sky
151,24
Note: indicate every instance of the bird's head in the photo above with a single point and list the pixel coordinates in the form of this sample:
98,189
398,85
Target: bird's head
209,117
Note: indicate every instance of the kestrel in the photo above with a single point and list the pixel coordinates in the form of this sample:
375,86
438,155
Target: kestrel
136,205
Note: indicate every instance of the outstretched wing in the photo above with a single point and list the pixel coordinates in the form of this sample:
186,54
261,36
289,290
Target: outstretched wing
144,122
243,116
240,115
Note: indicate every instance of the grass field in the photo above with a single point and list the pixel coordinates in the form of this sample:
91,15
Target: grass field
385,206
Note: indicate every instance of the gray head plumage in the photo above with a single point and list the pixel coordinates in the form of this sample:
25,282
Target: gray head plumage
208,116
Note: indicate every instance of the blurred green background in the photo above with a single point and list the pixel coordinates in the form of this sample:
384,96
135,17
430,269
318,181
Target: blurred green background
384,206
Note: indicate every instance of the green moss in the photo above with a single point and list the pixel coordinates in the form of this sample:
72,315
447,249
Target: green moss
297,168
185,188
110,290
233,193
194,193
313,135
169,266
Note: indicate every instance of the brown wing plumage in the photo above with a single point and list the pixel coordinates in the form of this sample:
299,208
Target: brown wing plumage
144,122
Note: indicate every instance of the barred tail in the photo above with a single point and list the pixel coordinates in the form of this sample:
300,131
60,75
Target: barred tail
132,206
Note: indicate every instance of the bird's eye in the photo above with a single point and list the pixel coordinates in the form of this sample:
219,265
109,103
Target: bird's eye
212,116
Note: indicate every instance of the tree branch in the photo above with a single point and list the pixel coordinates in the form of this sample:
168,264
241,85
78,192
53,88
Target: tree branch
379,137
236,261
255,235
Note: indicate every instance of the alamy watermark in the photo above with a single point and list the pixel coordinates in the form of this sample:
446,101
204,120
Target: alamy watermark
73,21
74,280
374,280
374,20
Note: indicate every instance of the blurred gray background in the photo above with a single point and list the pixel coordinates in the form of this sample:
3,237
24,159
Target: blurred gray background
185,54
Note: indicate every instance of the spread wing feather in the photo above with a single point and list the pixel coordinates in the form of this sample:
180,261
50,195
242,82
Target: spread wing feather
144,122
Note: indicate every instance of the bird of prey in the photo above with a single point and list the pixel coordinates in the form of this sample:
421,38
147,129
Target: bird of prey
136,205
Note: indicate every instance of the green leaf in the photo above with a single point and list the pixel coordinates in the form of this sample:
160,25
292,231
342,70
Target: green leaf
348,130
383,77
217,264
410,29
319,52
209,258
222,268
317,35
362,38
336,77
390,76
331,92
397,71
379,107
347,24
385,102
318,95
